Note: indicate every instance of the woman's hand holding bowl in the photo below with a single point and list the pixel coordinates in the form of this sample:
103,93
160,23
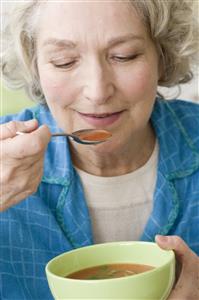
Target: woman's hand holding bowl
187,281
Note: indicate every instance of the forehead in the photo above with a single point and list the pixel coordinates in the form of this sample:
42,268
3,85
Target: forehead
104,19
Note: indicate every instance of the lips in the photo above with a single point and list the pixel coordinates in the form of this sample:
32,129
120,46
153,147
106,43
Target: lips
103,119
105,115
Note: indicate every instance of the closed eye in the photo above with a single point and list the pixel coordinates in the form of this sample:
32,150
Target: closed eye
119,58
67,65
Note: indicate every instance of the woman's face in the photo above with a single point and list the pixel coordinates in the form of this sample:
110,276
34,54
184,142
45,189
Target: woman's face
98,68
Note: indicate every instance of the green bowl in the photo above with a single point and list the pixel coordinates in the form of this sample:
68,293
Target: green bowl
154,284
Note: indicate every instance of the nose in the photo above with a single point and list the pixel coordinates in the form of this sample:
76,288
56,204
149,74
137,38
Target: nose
98,86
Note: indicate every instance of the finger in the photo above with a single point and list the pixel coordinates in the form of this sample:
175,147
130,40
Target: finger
187,286
26,145
173,243
187,279
8,130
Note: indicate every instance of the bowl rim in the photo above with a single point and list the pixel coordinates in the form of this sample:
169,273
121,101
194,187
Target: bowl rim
171,257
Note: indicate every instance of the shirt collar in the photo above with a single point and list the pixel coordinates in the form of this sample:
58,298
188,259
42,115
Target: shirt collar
178,154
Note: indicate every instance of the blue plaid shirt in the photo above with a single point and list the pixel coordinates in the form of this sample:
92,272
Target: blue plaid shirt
56,218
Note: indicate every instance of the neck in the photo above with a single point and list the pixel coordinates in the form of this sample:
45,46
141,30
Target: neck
125,159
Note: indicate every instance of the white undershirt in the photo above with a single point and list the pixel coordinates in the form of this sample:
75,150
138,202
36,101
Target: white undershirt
119,206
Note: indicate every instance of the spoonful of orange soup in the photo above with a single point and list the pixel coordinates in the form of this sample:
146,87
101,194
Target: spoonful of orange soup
84,136
87,136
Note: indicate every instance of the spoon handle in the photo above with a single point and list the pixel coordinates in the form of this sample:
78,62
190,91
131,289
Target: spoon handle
60,134
53,134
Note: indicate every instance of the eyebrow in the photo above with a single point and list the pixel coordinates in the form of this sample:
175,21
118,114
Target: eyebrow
125,38
60,43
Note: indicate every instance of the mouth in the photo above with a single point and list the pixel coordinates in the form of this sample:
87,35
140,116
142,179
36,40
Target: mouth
102,119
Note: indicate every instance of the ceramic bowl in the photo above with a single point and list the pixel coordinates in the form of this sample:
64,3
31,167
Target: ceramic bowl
154,284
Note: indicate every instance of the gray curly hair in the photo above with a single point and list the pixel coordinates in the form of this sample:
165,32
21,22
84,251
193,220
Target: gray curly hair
172,26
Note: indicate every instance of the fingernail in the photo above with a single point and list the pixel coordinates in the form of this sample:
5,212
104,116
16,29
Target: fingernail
30,123
161,238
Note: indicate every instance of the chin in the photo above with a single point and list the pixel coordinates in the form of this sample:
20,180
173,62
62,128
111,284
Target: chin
108,147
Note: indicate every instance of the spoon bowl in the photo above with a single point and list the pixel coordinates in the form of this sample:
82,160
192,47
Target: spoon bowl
84,136
89,136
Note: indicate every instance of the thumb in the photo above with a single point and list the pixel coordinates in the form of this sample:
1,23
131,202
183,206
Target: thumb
173,243
8,130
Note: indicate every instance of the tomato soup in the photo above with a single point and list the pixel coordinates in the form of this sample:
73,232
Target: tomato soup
110,271
98,135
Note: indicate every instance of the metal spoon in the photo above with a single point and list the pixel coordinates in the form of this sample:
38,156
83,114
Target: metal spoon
84,136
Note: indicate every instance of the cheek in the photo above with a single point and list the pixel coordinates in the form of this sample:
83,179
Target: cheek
141,89
56,90
142,83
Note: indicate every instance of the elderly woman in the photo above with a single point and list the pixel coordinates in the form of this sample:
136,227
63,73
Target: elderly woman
97,65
